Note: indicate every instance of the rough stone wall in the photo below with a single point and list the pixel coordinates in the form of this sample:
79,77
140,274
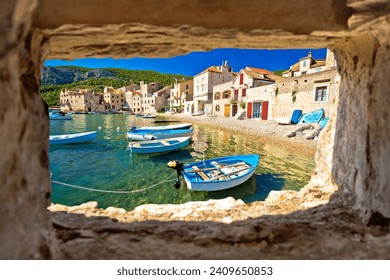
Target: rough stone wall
361,144
304,86
25,231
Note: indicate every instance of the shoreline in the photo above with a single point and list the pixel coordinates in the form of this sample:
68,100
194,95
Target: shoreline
264,131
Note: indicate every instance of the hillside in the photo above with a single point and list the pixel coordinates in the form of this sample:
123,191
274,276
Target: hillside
57,78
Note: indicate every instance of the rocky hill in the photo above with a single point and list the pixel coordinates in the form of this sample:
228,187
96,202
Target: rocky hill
66,75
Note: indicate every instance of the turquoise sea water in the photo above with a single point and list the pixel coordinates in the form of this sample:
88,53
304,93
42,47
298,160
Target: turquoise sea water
107,165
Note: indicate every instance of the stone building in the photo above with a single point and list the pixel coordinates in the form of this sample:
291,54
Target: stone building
250,77
260,102
306,92
222,99
180,93
204,82
133,101
81,100
147,99
114,99
311,85
157,101
308,65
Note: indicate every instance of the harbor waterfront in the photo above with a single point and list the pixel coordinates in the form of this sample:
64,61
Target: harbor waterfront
116,177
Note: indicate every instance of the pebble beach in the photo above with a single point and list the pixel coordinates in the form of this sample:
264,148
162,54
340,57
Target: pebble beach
265,131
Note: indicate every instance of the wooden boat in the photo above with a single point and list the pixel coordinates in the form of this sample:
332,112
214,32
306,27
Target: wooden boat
162,127
159,146
312,117
58,115
72,138
149,116
198,113
142,135
218,173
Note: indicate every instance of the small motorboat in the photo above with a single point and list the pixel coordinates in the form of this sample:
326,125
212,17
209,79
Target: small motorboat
59,115
159,146
149,116
216,174
73,138
162,127
142,135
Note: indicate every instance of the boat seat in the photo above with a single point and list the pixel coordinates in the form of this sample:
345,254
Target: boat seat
201,173
228,168
165,143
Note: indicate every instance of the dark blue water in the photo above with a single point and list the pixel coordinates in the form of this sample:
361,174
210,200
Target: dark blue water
107,165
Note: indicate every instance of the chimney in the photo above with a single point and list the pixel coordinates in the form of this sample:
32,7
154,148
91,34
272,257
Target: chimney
226,63
309,55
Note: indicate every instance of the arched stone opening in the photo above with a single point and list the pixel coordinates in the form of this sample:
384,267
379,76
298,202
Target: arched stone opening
352,156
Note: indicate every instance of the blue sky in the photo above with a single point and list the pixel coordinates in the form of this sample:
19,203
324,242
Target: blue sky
195,62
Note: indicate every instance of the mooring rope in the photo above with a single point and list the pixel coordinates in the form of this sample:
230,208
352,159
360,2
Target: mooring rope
117,192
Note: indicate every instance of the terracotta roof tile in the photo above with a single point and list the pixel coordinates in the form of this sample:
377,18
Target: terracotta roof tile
211,69
258,70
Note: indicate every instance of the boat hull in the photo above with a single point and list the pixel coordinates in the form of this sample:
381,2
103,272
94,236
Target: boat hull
160,134
312,117
158,146
65,118
196,183
59,116
72,138
163,127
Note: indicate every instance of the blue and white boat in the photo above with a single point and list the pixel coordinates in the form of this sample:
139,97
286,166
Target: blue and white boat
159,146
218,173
142,135
58,115
148,116
312,117
72,138
162,127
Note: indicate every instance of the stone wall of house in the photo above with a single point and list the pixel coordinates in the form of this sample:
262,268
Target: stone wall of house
264,93
353,149
304,88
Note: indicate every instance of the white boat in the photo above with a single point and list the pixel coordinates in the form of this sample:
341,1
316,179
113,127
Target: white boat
159,146
149,116
142,135
58,115
72,138
198,113
162,127
218,173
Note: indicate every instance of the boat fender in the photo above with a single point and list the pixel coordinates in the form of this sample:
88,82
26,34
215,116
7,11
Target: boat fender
178,166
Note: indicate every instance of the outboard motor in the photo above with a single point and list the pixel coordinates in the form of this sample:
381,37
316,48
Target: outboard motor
178,166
